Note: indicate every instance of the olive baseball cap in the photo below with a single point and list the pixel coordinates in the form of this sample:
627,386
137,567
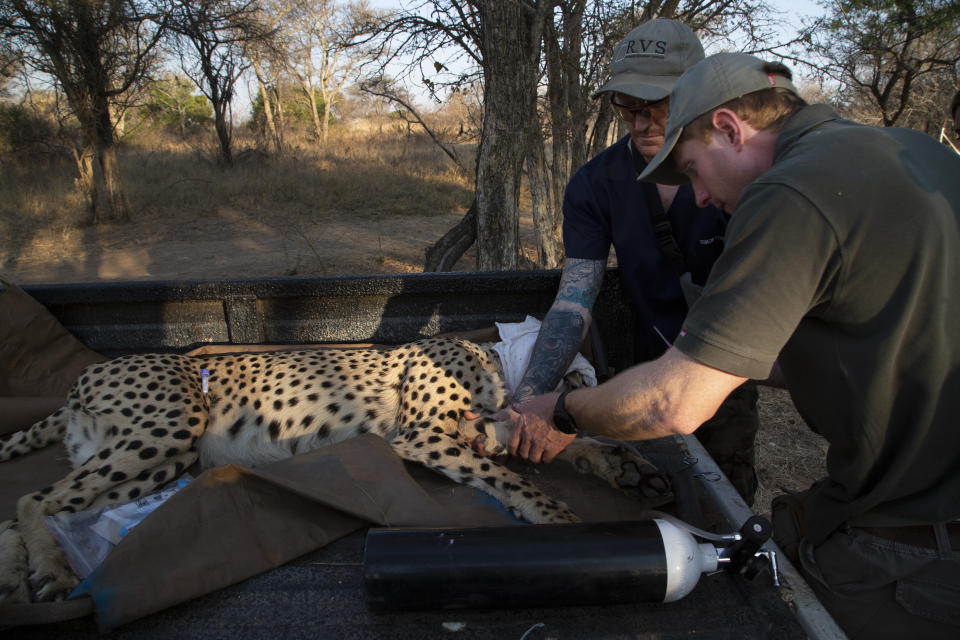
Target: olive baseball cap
705,86
649,61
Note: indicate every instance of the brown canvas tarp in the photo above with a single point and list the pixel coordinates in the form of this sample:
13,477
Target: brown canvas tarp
39,360
232,523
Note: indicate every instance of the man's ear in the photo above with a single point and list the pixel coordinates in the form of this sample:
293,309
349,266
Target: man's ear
728,126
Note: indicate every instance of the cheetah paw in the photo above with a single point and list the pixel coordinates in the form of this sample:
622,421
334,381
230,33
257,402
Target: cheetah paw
625,469
53,583
13,567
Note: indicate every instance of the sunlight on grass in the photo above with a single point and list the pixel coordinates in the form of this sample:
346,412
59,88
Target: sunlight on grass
371,174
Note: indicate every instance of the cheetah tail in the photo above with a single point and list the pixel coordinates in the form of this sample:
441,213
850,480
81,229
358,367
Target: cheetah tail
48,431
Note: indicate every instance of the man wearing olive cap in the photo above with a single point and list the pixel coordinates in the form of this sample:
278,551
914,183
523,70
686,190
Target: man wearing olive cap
841,263
659,233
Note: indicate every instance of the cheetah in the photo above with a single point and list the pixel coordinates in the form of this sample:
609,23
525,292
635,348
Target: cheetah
132,424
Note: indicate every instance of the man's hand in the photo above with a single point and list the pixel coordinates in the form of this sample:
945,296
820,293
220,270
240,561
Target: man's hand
534,436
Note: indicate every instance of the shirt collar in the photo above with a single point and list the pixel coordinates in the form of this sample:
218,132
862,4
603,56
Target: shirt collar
799,124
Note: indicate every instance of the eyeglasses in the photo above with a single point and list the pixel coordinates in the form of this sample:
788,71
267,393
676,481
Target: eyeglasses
646,108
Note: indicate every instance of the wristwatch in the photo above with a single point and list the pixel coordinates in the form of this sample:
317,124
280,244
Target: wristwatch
561,418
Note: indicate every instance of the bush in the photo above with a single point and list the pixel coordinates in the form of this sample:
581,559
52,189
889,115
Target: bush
25,132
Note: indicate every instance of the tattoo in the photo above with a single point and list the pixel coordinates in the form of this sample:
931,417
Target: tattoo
563,328
560,336
581,282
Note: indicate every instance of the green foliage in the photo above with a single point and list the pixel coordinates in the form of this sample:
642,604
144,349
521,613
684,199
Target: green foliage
174,105
296,107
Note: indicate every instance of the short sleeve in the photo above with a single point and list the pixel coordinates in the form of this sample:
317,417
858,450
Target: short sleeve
778,264
586,230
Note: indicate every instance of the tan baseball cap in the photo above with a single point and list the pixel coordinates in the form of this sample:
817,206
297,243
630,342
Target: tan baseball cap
705,86
649,61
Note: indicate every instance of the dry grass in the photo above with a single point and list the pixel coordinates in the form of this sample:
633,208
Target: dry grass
790,457
366,203
393,174
277,209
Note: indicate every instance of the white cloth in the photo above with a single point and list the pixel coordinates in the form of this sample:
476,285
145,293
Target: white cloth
516,345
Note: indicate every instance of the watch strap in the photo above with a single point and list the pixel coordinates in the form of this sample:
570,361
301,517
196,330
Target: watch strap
562,418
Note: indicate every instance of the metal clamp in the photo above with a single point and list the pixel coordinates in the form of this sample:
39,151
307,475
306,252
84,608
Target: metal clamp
744,556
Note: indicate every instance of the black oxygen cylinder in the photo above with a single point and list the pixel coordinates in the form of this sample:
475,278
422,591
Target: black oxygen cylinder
532,565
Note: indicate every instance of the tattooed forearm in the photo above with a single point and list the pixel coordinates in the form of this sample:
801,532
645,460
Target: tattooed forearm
563,328
557,344
581,282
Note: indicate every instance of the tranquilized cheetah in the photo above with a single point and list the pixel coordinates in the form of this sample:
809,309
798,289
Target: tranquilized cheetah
134,423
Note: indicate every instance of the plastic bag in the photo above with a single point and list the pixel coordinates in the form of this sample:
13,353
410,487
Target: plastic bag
86,537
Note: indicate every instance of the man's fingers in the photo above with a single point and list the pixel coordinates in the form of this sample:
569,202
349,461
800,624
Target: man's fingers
536,455
524,449
516,434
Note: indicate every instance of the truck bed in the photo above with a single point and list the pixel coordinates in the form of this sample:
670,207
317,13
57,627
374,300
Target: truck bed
321,594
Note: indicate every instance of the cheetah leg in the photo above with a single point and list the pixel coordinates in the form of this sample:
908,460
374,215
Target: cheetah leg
50,576
452,457
13,565
616,465
148,480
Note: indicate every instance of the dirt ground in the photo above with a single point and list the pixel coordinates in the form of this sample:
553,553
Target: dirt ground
228,243
231,243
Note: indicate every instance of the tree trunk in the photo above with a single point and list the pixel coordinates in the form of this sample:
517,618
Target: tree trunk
312,101
444,253
325,123
223,134
600,134
268,109
546,212
86,182
118,207
511,50
281,121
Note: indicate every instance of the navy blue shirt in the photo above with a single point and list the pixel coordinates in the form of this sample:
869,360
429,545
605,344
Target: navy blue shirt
604,203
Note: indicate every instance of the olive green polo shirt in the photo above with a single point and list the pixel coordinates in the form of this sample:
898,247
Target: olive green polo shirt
843,260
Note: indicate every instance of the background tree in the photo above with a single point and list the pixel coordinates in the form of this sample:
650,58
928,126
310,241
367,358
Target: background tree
268,57
214,38
172,103
96,51
287,99
10,58
383,88
894,62
558,68
323,34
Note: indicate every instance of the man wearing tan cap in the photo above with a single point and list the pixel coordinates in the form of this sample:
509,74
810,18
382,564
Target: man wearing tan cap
841,264
658,232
